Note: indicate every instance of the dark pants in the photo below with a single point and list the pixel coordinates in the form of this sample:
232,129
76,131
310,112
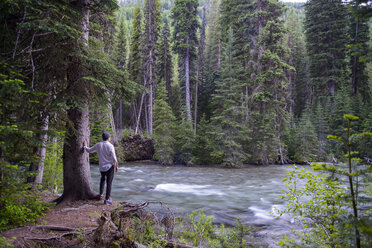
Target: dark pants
109,175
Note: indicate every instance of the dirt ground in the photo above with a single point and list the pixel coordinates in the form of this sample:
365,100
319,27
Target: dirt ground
68,223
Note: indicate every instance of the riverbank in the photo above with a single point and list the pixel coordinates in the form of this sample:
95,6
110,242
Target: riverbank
62,226
93,224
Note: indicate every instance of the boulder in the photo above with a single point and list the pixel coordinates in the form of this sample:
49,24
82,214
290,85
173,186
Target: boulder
138,148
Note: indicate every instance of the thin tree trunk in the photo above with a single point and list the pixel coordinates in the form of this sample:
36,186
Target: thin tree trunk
76,171
121,115
187,83
40,152
355,60
146,115
139,113
112,123
199,65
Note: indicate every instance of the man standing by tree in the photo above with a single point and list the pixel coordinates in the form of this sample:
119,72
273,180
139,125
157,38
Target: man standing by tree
107,160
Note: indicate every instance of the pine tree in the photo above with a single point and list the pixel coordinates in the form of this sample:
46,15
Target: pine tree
151,34
165,64
135,58
228,120
270,94
135,65
204,148
359,33
294,41
326,26
212,59
305,139
119,54
185,22
164,127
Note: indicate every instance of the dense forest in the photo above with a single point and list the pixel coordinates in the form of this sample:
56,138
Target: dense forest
244,88
210,81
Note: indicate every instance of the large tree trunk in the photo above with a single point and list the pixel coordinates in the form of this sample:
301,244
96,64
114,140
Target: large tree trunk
76,171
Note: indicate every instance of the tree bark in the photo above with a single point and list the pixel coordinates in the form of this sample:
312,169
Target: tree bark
76,171
199,65
355,60
40,152
187,83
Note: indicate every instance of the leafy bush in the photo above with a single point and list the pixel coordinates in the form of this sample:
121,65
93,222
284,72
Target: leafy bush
147,233
19,203
331,202
197,229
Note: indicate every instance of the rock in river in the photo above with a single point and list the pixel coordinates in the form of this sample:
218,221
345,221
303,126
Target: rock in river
138,148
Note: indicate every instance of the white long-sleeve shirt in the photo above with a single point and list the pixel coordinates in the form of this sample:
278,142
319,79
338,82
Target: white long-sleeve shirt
106,154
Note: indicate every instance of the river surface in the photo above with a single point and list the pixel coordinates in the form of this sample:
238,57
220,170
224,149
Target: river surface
249,193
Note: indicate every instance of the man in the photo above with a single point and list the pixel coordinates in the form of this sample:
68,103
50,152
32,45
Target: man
107,161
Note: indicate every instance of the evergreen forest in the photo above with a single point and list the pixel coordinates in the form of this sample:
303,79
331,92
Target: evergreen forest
210,82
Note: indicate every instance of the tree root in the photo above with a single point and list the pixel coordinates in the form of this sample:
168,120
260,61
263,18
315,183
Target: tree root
73,209
72,231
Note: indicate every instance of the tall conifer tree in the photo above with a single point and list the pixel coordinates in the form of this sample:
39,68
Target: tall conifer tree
135,58
119,54
326,26
151,34
228,119
185,22
270,94
165,63
164,126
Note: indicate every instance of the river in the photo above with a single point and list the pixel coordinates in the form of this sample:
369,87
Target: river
249,193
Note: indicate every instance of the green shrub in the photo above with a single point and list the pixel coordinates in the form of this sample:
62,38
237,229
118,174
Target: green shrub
146,232
19,202
197,229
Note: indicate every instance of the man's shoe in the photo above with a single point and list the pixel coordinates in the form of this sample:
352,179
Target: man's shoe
107,202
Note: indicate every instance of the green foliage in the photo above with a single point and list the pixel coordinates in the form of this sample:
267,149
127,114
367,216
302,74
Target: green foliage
53,165
198,230
120,43
326,27
146,232
4,242
19,204
185,22
230,117
234,237
184,142
304,143
135,57
323,192
316,202
204,149
164,127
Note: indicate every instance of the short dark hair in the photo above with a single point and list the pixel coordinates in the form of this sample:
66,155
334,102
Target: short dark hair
105,136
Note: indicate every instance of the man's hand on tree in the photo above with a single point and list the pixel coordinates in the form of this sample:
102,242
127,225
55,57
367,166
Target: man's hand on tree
85,143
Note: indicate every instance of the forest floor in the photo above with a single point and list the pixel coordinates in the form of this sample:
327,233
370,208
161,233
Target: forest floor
67,225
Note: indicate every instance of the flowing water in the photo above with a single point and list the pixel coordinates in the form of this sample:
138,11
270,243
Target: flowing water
249,193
